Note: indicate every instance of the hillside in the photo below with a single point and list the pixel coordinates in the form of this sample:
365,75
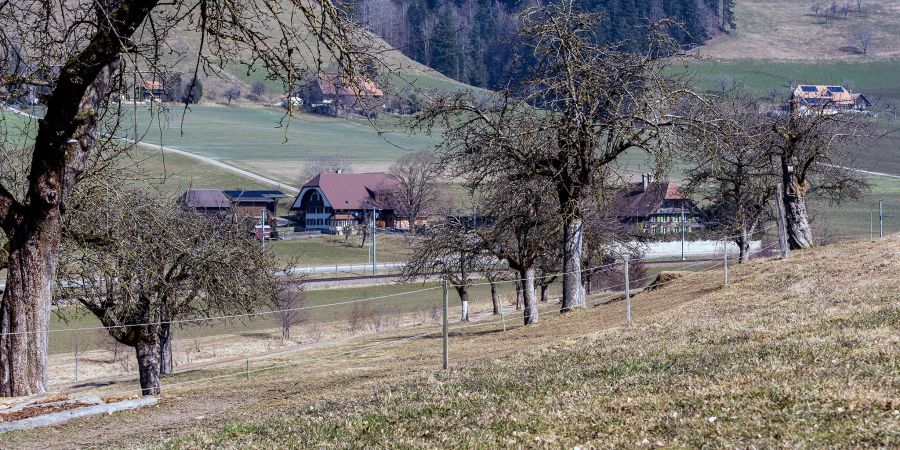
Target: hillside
792,30
796,353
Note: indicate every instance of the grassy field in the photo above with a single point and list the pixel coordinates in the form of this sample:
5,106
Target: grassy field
790,30
326,250
795,353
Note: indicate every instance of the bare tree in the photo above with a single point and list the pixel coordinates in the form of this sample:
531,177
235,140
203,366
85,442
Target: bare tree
78,59
257,89
596,102
864,37
812,148
416,191
138,264
325,164
815,8
447,248
232,92
732,169
288,305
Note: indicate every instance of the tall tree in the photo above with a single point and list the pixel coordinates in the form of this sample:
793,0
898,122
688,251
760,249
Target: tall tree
416,191
78,59
595,102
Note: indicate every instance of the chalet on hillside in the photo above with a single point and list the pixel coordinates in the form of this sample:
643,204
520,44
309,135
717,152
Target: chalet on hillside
339,96
655,207
332,201
833,98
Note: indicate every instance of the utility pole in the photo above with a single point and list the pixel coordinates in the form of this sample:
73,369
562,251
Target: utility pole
881,218
871,224
726,262
782,230
262,230
627,292
374,245
682,230
446,364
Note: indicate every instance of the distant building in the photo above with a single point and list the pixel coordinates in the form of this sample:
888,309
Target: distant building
339,96
151,90
833,98
214,202
655,207
211,202
331,201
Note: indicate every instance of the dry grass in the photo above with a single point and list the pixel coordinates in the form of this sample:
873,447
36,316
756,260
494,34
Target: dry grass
788,30
797,353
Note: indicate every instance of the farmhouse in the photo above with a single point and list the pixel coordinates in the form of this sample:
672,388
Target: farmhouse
339,96
655,207
834,98
332,201
210,202
150,90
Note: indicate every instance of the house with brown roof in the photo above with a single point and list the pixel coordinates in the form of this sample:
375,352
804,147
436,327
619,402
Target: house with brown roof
332,201
333,95
829,98
655,207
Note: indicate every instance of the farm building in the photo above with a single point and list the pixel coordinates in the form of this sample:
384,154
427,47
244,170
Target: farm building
332,201
252,203
655,207
338,96
215,202
833,98
211,202
150,90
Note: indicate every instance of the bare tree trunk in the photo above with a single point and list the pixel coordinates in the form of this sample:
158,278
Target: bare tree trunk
463,292
743,242
573,232
544,293
495,301
796,217
285,330
166,366
26,307
530,300
147,351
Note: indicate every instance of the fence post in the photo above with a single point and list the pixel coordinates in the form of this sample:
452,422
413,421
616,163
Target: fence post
782,230
446,328
248,369
726,262
881,218
76,358
502,317
627,292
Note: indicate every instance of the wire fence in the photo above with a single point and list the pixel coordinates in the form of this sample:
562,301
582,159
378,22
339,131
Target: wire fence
207,349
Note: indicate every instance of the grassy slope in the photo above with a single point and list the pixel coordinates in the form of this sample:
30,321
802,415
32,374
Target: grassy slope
788,30
796,353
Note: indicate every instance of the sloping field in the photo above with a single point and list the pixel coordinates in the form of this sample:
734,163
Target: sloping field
796,353
791,30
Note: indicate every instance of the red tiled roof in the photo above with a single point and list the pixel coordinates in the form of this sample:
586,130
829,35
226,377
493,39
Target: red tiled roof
351,190
361,87
634,201
152,84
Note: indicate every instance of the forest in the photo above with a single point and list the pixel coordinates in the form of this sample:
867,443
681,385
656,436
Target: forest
475,41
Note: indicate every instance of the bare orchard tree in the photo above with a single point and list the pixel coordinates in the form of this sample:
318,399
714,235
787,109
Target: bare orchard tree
325,164
590,102
141,265
864,37
416,191
522,224
289,303
731,169
80,54
232,92
812,149
447,248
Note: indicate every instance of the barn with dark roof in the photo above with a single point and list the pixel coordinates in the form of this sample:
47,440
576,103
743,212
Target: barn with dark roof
655,207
